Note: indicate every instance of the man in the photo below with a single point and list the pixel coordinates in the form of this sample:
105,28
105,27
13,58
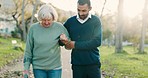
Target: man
85,32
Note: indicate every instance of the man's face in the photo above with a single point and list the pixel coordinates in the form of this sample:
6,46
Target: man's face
83,10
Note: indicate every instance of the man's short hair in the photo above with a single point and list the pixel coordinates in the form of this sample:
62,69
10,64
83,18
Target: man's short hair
82,2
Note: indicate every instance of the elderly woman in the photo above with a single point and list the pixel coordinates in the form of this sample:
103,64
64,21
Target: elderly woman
42,46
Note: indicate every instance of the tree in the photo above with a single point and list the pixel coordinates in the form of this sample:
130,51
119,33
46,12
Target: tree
21,15
103,8
144,26
23,21
18,16
34,11
107,34
118,40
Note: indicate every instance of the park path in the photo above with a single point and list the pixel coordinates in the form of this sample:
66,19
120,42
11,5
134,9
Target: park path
18,67
13,71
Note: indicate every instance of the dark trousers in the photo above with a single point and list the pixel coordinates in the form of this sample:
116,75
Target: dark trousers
86,71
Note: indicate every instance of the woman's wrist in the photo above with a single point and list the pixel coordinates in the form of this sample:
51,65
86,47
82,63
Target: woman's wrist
26,71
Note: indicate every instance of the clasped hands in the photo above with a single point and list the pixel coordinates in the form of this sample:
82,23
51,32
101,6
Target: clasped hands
68,43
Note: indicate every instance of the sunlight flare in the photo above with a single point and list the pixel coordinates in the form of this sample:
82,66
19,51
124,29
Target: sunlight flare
133,7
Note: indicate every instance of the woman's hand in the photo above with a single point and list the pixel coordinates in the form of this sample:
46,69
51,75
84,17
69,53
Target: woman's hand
26,74
64,39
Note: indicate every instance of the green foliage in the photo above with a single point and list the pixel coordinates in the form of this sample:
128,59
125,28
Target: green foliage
128,64
107,34
146,40
7,51
14,33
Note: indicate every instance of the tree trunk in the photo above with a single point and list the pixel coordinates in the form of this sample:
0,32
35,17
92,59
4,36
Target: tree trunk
143,30
23,21
118,42
103,8
18,26
33,12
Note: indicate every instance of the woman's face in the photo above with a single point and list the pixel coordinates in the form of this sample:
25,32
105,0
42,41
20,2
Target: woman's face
46,22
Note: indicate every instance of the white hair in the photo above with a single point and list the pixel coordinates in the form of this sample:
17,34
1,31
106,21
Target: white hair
47,11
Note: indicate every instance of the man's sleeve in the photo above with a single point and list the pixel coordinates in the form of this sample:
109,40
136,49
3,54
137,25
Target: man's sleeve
94,42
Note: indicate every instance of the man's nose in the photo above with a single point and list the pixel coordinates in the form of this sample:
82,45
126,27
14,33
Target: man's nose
81,13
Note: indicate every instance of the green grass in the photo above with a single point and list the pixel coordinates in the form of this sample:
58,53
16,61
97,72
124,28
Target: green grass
124,65
114,65
7,51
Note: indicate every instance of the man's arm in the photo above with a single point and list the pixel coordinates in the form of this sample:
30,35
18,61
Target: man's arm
88,44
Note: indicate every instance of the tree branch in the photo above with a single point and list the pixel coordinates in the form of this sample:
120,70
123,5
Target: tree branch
103,8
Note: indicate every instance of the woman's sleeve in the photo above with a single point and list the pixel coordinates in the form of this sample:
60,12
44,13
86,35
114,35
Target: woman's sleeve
64,31
28,50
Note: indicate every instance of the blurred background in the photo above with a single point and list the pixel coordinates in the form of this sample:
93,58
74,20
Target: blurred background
125,32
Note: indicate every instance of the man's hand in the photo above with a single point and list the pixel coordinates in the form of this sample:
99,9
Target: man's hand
70,45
